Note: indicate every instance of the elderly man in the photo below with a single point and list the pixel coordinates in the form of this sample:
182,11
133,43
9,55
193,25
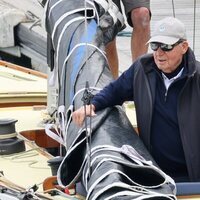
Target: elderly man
165,87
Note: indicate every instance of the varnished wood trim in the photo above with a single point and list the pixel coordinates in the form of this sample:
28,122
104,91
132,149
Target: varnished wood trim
18,104
23,69
40,138
192,197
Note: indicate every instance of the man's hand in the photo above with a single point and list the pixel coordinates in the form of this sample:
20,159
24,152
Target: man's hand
78,116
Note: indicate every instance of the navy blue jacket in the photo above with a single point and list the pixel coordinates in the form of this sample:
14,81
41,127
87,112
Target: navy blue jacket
138,84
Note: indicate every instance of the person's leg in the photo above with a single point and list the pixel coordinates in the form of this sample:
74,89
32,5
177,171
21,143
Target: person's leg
111,50
112,56
140,18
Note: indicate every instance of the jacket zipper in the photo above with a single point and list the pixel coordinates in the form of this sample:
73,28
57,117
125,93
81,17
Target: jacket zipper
165,99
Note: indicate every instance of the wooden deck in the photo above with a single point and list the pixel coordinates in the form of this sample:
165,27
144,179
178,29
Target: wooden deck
21,86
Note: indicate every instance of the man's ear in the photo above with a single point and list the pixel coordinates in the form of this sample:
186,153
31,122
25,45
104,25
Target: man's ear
185,46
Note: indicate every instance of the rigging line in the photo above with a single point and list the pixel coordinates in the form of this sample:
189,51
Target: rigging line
90,139
86,101
87,142
68,113
173,8
194,26
25,154
86,30
110,3
88,133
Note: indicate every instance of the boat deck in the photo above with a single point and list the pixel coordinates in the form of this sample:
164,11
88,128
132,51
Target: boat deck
160,8
20,85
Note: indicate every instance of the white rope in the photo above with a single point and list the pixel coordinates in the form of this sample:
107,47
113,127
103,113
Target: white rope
104,4
7,136
64,121
135,156
62,33
50,133
82,90
52,7
73,49
62,18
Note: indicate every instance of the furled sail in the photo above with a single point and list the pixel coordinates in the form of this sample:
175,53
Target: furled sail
106,154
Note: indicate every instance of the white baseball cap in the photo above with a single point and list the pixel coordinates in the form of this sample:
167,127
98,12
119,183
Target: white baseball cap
168,31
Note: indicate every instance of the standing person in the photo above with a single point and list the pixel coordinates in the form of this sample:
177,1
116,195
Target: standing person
138,16
165,87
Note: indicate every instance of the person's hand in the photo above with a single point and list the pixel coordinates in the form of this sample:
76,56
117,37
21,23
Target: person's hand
78,116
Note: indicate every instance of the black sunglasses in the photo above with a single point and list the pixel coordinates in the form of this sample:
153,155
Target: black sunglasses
164,47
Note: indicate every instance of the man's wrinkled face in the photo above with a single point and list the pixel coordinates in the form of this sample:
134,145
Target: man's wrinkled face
168,58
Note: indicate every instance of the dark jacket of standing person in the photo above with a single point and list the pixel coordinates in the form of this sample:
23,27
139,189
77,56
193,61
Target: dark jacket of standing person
143,76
